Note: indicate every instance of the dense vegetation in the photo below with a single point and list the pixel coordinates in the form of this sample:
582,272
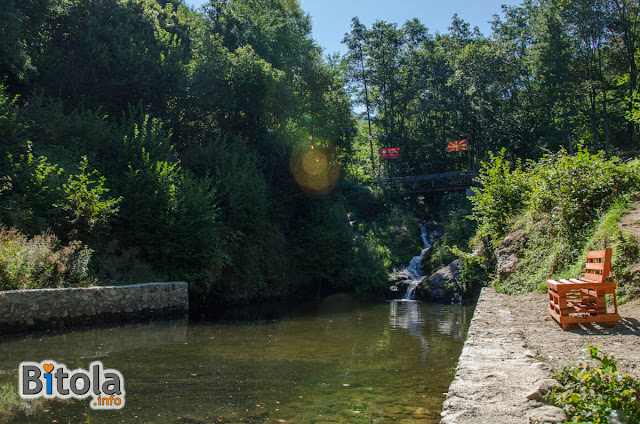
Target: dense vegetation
553,74
554,84
144,140
548,214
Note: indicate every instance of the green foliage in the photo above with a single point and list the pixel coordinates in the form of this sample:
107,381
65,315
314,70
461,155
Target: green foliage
574,190
457,229
550,210
593,391
33,186
110,54
11,127
568,190
502,193
543,256
83,203
247,242
41,261
371,262
187,121
9,398
473,270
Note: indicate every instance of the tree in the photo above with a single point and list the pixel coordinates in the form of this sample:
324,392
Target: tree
552,58
355,60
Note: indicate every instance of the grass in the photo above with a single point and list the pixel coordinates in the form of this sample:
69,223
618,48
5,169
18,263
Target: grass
545,254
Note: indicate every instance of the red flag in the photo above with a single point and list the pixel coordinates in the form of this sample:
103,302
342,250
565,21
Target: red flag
390,153
456,146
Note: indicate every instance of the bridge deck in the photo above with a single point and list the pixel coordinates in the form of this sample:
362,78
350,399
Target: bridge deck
448,181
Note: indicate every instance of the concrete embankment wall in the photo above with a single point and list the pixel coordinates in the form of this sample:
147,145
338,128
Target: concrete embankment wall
24,309
498,379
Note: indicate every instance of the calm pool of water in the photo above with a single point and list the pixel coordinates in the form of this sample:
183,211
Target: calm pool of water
341,360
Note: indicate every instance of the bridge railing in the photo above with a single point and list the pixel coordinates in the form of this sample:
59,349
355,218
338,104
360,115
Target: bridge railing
447,181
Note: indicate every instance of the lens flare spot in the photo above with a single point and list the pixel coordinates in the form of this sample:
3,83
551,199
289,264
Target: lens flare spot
315,170
314,162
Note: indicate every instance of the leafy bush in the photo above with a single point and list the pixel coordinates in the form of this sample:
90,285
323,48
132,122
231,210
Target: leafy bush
569,191
457,229
502,193
33,186
84,204
38,198
574,190
41,261
594,391
553,206
371,260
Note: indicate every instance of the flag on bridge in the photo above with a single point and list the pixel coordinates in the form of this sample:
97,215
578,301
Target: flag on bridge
457,146
390,153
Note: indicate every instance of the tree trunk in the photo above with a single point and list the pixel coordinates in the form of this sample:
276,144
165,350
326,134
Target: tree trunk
366,102
594,118
606,121
566,120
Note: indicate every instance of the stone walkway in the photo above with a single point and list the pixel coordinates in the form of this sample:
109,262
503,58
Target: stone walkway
498,380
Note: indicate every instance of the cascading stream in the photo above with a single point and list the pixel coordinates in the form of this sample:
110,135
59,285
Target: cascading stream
414,266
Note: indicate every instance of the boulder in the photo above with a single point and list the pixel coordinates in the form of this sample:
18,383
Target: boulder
542,388
547,414
433,288
507,255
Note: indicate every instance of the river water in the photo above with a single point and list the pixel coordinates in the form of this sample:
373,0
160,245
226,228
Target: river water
340,360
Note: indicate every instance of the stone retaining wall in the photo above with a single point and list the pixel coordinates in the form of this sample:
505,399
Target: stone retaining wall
498,379
24,309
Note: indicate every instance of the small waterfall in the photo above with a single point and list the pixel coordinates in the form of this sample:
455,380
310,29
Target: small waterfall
414,266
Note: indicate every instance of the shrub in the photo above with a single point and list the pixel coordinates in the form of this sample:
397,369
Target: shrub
554,205
457,230
38,198
371,260
574,190
32,185
594,391
502,193
41,261
626,250
571,191
84,205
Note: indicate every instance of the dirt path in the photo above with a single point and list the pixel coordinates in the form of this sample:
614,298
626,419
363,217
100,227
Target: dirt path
558,347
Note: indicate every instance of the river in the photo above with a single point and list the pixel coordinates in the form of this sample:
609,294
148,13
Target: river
344,359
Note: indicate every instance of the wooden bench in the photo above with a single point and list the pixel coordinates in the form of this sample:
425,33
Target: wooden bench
584,300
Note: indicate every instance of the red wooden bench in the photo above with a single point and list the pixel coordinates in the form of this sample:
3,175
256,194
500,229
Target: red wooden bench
584,300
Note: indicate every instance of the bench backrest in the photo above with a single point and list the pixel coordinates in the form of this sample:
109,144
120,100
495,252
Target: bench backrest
598,266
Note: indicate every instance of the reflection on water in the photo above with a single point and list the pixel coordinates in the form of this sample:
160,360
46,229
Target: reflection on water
410,315
339,360
90,344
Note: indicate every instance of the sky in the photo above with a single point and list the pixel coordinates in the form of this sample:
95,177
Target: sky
332,18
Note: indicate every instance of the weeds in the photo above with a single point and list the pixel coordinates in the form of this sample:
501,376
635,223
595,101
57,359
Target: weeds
41,261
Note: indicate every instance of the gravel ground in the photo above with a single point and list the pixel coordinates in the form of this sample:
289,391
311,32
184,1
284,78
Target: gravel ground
558,347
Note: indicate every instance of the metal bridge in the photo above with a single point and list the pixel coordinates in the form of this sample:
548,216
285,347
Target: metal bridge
449,181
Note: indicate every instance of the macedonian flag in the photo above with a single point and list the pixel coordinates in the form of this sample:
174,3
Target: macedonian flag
390,153
456,146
